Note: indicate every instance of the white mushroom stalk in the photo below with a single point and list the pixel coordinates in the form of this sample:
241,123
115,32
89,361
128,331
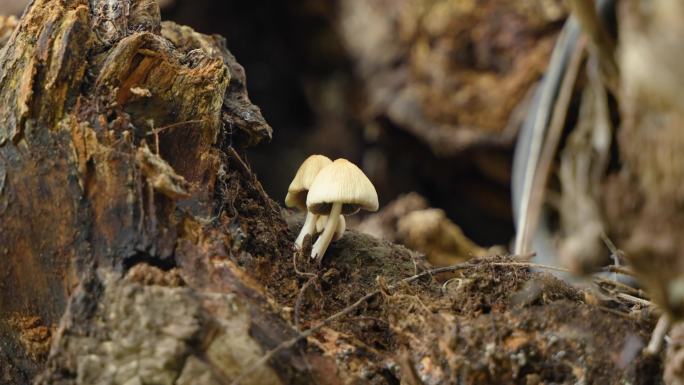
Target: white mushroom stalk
298,191
339,188
341,226
309,228
326,236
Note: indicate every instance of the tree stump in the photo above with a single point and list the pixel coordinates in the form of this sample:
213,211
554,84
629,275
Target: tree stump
119,160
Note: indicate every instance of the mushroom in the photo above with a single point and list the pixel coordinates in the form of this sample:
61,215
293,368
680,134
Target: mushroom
339,189
299,188
339,231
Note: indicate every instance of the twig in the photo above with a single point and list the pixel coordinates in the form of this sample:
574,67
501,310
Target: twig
531,265
306,333
614,253
617,284
245,168
369,318
248,173
526,257
300,296
156,131
294,264
615,312
634,299
658,335
619,269
156,141
610,245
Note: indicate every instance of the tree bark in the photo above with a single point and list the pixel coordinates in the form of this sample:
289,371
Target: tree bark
114,166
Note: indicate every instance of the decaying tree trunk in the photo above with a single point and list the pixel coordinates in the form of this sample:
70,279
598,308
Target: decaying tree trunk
111,161
138,248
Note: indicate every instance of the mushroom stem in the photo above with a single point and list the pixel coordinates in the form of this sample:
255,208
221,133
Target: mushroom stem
308,228
324,239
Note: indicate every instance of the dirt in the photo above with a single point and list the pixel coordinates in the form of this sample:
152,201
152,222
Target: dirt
489,323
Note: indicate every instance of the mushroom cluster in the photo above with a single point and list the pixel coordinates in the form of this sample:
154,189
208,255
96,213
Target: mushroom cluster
328,190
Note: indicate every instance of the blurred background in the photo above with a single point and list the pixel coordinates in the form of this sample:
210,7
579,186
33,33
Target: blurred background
422,94
425,95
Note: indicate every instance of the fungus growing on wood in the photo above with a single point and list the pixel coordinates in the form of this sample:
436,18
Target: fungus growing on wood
339,189
299,188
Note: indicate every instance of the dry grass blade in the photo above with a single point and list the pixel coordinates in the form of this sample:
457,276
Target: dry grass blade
550,145
559,59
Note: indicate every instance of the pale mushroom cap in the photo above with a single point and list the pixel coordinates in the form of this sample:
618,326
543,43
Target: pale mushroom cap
339,231
341,182
299,187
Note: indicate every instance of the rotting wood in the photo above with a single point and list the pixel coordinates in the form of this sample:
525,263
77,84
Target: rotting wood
84,199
